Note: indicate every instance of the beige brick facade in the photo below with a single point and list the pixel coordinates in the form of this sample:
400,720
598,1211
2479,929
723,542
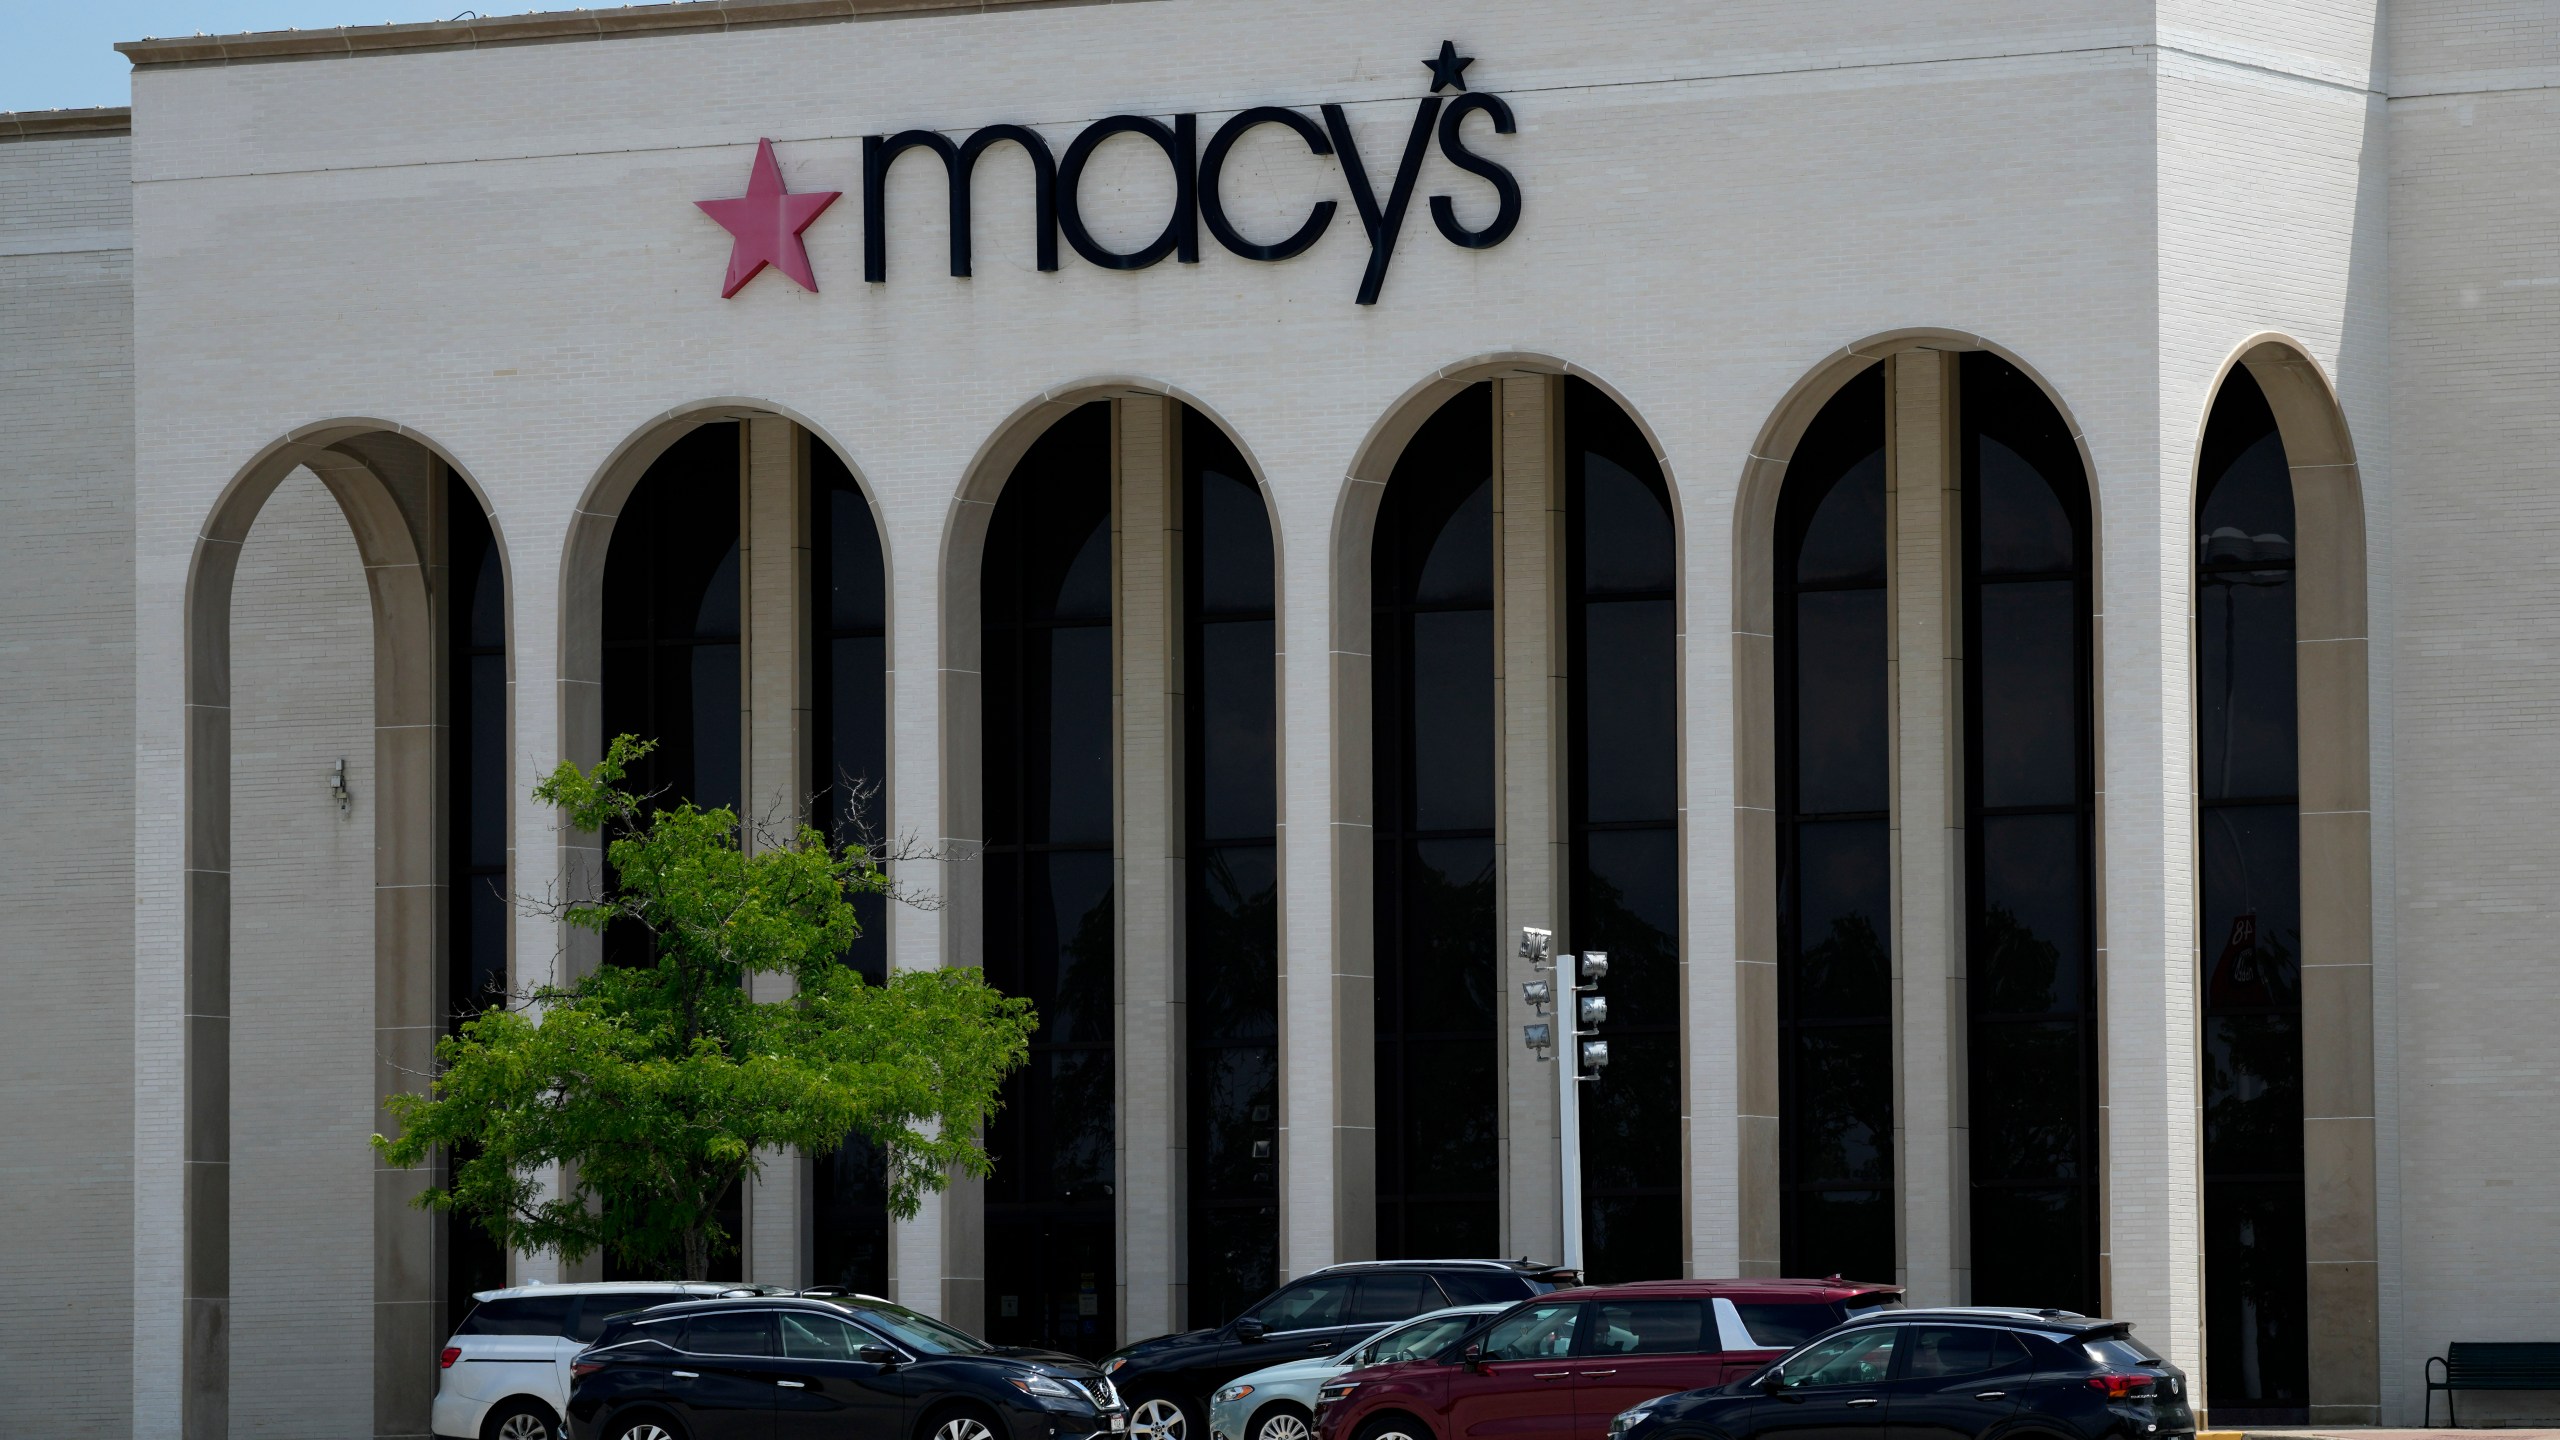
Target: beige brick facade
422,249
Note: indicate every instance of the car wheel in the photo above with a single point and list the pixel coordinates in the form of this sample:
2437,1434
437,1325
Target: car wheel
964,1422
1281,1421
1395,1427
1161,1417
520,1420
645,1427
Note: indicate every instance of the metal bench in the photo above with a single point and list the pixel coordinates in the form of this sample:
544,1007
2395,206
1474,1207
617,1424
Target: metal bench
2491,1365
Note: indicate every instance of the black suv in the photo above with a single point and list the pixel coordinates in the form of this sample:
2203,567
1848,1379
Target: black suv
1168,1380
1953,1374
786,1367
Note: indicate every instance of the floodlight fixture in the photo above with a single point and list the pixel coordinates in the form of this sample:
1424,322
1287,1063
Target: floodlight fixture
1595,967
1592,1011
1539,993
1595,1057
1538,1037
1536,945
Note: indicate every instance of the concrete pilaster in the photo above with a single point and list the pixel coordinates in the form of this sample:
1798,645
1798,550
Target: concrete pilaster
773,556
1146,637
1529,656
1924,683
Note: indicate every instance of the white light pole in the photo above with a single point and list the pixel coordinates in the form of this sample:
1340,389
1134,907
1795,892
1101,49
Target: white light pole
1580,1011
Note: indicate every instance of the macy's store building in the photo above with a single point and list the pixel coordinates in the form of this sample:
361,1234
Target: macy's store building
1990,560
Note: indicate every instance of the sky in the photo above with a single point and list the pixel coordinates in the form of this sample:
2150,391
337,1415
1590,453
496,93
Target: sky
59,54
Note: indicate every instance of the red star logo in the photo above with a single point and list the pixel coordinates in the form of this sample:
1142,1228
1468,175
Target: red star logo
765,225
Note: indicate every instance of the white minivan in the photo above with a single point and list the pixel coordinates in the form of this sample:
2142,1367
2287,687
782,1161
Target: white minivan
506,1371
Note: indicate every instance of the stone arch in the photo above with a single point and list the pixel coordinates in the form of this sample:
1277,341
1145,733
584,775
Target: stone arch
1141,643
1529,1205
2335,816
1756,788
385,480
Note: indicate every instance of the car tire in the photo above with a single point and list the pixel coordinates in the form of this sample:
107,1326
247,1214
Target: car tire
1395,1425
644,1425
519,1419
961,1422
1165,1417
1280,1420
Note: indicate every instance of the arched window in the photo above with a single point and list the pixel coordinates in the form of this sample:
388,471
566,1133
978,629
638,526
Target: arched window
1232,918
2031,980
2250,932
1623,799
1835,867
673,598
1438,1089
1046,611
849,774
475,621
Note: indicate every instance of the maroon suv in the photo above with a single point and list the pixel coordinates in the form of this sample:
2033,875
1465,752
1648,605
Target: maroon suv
1561,1366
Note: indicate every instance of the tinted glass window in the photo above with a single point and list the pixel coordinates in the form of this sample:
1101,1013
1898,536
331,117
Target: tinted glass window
1835,961
1482,1287
1861,1357
595,1310
821,1337
1939,1351
2123,1350
1775,1326
1538,1332
1395,1297
730,1334
922,1332
1306,1306
524,1315
1647,1327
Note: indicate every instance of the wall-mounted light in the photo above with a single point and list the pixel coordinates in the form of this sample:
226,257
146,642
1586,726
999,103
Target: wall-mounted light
338,786
1536,945
1539,993
1538,1038
1592,1010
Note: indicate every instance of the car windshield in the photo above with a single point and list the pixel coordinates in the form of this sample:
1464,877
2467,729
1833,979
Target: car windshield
921,1332
1407,1342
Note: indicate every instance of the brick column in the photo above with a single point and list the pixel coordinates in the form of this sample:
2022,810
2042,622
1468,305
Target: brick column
1529,831
1148,859
1923,682
773,564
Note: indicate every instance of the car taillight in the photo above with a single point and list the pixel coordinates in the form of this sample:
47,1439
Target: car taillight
2121,1386
581,1369
450,1354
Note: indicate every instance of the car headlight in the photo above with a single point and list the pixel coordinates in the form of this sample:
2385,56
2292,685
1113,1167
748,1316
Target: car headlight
1232,1394
1336,1390
1628,1418
1112,1365
1048,1385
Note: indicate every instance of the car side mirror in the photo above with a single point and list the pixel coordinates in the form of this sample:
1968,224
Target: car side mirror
1473,1355
1251,1330
879,1355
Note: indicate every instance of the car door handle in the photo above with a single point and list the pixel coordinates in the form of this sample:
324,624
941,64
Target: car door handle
792,1384
1599,1372
1991,1395
1854,1404
1319,1347
686,1375
1549,1374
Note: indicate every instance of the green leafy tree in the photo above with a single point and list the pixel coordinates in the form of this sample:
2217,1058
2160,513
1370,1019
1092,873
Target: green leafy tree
659,1085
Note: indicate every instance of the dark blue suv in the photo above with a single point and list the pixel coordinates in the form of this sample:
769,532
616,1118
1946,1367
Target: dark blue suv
1954,1374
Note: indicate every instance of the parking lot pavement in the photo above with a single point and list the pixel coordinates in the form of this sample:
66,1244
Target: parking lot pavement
2349,1432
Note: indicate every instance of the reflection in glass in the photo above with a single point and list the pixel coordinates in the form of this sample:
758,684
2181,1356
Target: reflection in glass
847,607
1232,922
1432,668
2031,1032
1835,993
2249,928
1045,662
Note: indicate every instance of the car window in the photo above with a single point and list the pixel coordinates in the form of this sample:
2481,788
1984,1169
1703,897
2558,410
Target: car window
1946,1350
922,1332
1483,1287
821,1337
1646,1327
1412,1342
2122,1350
729,1333
519,1315
597,1308
1861,1357
1777,1326
1394,1297
1307,1305
1534,1332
